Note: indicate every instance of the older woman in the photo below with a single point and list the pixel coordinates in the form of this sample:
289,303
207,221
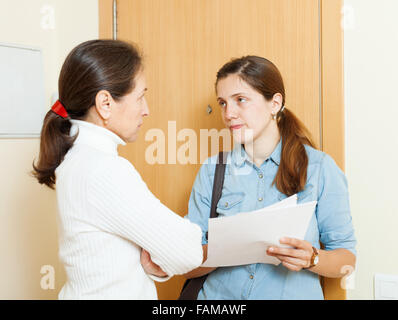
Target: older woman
107,215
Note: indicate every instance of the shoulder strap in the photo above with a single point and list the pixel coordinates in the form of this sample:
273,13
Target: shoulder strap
218,183
192,287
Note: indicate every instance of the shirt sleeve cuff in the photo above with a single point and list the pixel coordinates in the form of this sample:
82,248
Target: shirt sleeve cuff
159,279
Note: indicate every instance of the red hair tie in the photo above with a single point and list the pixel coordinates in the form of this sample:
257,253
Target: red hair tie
59,109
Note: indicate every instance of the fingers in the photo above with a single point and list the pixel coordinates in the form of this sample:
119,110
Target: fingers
149,266
146,261
295,258
293,263
145,257
289,252
157,270
297,243
291,267
160,273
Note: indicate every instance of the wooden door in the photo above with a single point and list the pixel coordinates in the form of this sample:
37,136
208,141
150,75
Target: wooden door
184,43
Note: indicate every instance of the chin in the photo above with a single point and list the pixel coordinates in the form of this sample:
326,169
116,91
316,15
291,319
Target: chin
238,140
243,136
132,138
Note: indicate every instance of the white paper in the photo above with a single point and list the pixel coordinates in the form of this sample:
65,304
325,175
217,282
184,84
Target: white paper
244,238
288,202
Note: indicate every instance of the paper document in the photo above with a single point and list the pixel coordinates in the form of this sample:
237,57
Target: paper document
244,238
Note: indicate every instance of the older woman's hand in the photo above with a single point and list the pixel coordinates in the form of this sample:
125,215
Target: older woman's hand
149,266
295,259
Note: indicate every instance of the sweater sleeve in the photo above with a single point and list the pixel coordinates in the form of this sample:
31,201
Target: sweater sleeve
120,202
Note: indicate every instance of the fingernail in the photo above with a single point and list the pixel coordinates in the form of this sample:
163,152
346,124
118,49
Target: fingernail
271,249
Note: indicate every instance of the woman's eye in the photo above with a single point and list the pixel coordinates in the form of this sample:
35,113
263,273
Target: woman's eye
222,103
242,99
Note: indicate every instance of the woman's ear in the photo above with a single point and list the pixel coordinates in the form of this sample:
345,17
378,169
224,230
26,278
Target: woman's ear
277,101
103,102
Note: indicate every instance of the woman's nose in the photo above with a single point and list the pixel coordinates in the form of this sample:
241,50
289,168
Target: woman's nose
230,112
145,111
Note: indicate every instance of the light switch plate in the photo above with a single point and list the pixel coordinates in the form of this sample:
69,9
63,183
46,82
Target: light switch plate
386,287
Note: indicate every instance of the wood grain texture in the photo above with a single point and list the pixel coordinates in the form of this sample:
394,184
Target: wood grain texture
333,103
333,80
105,9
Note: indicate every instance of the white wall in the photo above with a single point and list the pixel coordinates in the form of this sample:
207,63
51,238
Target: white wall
371,71
28,231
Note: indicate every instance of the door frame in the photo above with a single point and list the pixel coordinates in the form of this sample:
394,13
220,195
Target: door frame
332,119
332,104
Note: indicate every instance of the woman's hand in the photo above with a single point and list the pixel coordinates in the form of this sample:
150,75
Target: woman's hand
295,258
149,266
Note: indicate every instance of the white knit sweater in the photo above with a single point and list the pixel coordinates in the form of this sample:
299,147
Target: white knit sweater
106,214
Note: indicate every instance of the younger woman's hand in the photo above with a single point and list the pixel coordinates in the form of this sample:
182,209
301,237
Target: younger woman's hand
149,266
295,259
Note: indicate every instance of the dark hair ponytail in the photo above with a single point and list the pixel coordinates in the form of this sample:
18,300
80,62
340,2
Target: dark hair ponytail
263,76
292,173
90,67
54,144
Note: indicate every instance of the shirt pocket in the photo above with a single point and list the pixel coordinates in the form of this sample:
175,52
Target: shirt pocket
230,203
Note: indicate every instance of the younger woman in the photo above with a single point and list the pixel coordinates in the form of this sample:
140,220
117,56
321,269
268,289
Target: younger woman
274,158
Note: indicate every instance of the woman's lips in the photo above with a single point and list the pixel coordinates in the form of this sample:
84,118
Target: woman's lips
236,127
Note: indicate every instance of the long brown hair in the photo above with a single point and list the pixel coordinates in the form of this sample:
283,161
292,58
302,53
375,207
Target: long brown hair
263,76
90,67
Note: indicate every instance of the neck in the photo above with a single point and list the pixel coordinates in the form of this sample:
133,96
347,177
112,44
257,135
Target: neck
262,147
93,117
95,136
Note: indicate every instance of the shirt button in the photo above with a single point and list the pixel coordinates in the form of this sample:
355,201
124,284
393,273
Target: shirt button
226,204
251,276
260,199
260,176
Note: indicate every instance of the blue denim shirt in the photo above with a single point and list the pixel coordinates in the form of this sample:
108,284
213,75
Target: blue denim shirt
247,188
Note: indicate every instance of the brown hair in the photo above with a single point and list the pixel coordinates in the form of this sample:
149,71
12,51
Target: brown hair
263,76
90,67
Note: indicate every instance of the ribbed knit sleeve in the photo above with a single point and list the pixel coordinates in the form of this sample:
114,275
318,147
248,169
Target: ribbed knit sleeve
119,202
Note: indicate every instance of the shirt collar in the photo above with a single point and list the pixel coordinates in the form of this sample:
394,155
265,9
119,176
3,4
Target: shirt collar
276,154
239,155
95,136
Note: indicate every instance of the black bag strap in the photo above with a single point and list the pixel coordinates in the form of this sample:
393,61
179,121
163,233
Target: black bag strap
218,184
192,286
